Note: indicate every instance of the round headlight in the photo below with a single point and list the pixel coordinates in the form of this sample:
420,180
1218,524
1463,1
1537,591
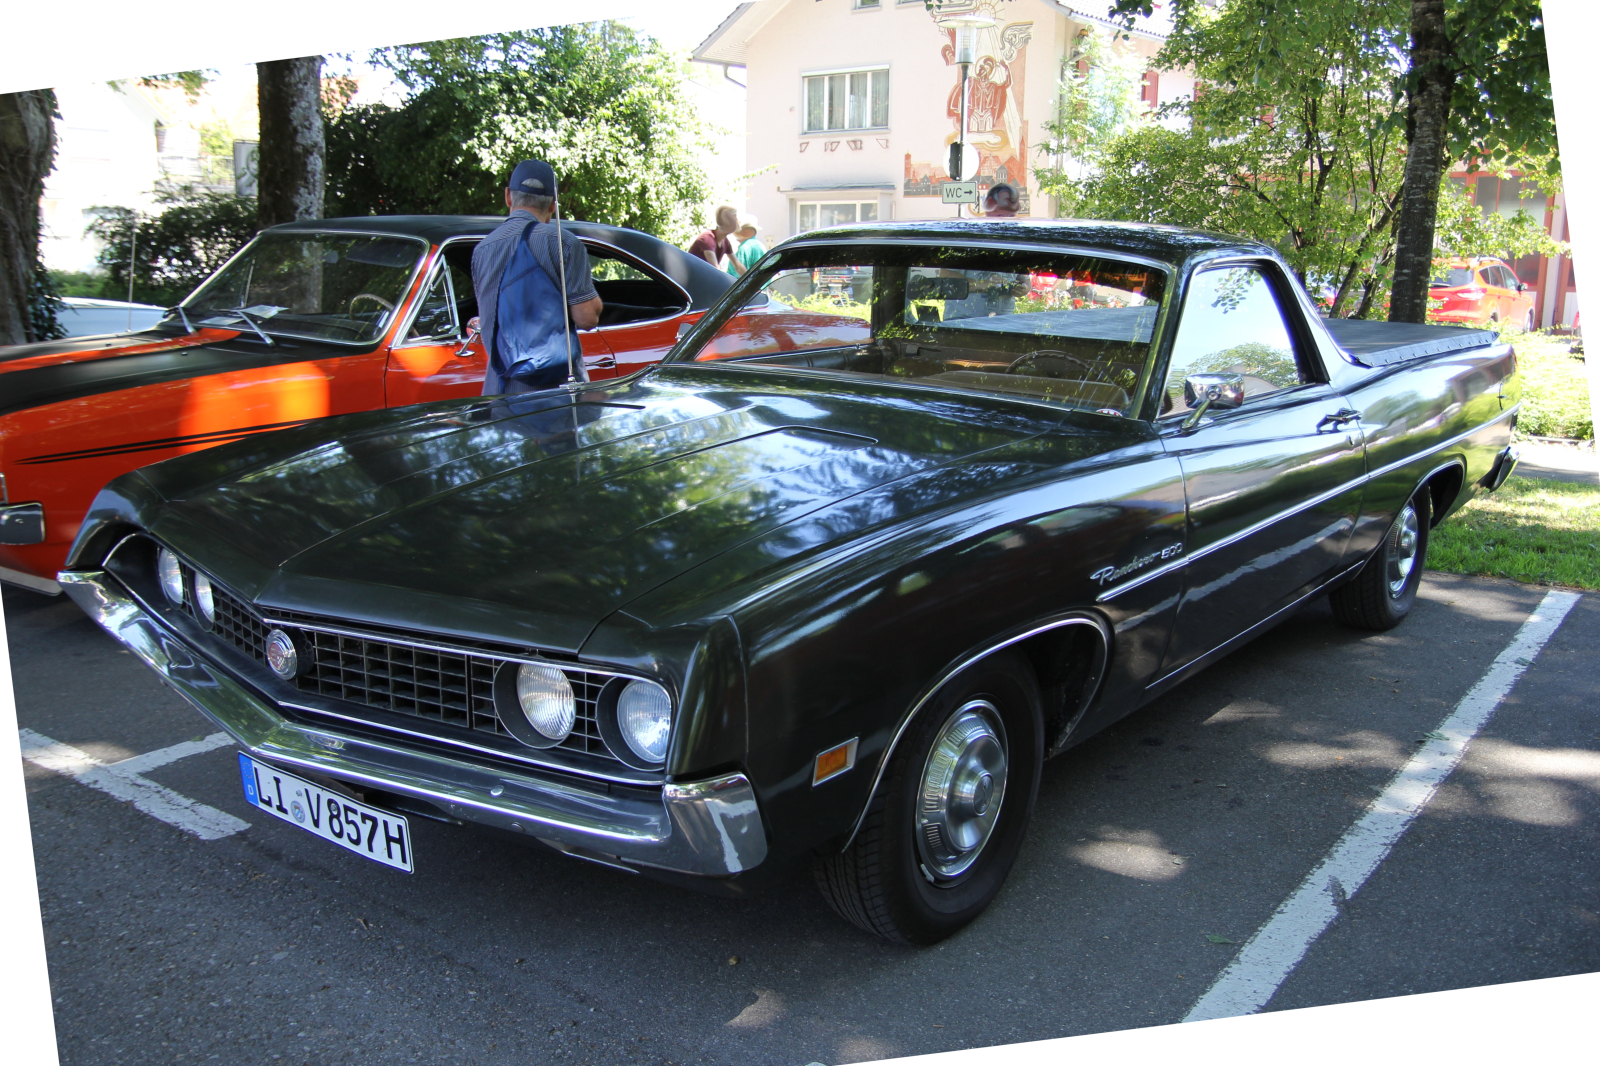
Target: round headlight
204,602
644,717
545,696
170,574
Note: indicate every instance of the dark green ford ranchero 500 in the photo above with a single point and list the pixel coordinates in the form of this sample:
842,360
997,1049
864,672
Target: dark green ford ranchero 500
830,582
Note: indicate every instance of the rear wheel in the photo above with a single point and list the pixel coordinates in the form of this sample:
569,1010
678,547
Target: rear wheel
951,810
1382,594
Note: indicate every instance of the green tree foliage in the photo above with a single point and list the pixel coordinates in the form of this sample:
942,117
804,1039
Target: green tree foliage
1303,153
1475,79
1464,229
176,249
603,105
1093,108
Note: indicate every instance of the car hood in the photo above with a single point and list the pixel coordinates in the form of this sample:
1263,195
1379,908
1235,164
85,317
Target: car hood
33,375
532,519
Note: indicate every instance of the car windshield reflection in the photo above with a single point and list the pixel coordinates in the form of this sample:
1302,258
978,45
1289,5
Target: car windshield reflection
1072,329
318,286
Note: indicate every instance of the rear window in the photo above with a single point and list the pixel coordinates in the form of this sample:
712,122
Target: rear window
1452,278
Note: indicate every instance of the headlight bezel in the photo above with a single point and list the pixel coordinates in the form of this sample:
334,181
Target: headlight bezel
202,599
508,703
609,714
167,574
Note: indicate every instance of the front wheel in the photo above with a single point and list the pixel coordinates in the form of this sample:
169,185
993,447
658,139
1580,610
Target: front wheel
951,810
1382,594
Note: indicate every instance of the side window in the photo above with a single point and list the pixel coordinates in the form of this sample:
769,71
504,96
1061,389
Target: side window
449,301
1231,324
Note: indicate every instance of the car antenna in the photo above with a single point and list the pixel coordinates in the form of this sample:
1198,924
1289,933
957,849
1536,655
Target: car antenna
561,269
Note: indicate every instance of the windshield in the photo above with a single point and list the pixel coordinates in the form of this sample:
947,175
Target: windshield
322,286
1069,328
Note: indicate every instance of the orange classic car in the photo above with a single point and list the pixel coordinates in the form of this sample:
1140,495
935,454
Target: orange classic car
310,319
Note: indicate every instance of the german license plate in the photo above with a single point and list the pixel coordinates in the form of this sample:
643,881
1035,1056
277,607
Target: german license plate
369,832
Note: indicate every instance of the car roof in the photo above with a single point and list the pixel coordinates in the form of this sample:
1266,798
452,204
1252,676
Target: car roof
703,281
1169,244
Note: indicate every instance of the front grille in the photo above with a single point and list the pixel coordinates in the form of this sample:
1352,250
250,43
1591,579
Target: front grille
451,688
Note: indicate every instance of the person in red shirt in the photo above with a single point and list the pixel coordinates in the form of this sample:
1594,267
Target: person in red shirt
713,244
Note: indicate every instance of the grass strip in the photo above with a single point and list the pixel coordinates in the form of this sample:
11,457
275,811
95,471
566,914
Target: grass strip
1555,386
1534,530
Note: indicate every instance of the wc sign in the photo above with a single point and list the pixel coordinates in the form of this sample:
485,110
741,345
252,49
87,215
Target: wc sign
958,192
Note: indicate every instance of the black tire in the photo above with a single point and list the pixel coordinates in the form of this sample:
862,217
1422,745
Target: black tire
1380,595
1527,321
883,882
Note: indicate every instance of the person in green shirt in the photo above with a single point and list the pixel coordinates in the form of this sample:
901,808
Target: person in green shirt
744,257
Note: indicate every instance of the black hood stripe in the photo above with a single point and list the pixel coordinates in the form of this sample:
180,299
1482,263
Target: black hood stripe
221,436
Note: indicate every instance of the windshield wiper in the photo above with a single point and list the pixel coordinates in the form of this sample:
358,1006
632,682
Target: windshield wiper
250,321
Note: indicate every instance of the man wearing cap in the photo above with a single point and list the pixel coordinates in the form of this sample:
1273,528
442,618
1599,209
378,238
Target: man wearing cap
520,284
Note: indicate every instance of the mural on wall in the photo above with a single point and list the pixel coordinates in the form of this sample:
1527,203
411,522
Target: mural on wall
996,124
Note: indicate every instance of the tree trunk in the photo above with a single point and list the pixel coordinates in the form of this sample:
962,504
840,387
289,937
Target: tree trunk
27,152
1427,114
293,153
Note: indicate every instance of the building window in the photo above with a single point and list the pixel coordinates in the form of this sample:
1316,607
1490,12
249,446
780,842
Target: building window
835,213
866,5
848,100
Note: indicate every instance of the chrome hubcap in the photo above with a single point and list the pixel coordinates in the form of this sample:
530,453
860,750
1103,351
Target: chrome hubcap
963,787
1400,552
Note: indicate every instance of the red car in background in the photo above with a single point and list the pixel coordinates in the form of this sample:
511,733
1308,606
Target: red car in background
1480,292
310,319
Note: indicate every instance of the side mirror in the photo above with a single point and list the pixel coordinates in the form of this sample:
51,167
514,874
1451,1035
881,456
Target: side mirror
472,335
684,328
1205,391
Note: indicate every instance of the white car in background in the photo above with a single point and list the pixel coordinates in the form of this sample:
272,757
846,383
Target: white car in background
84,316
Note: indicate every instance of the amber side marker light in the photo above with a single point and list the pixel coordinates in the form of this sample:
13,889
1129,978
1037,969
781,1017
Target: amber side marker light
835,761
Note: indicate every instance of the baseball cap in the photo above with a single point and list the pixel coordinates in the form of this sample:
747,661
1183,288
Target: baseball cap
534,177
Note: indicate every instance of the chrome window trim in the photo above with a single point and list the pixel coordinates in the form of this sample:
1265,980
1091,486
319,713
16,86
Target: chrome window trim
1094,621
364,345
1234,538
413,311
656,273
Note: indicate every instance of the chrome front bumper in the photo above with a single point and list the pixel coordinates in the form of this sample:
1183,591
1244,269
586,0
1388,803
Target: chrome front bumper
709,828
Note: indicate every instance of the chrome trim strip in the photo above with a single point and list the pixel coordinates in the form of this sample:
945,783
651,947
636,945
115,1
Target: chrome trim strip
1234,538
707,828
28,581
1133,583
1094,621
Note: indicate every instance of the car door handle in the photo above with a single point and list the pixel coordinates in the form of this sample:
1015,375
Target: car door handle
605,362
1338,419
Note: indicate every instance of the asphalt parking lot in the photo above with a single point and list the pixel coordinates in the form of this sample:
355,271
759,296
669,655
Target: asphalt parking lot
1157,849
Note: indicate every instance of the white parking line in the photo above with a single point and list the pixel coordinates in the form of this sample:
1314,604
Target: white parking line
121,780
1266,961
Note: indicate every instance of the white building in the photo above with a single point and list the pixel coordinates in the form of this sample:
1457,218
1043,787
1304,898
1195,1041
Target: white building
853,104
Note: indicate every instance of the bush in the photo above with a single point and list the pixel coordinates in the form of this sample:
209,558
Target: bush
174,251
